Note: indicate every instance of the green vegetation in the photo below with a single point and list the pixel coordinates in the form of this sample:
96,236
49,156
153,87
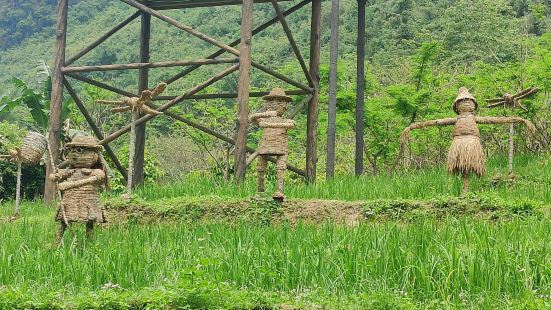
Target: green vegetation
457,262
398,237
532,182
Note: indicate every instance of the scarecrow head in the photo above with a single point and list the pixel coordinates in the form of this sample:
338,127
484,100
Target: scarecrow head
277,101
465,102
83,152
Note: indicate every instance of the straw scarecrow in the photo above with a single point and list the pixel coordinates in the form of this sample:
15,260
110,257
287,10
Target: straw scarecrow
512,102
30,153
80,184
466,155
274,140
137,106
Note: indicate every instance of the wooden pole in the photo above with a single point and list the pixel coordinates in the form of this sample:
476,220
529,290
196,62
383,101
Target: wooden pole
243,85
332,109
312,117
94,127
236,42
104,37
143,84
18,190
511,147
145,65
54,129
292,41
212,41
171,103
360,89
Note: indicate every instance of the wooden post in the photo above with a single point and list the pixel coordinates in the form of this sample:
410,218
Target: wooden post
243,90
312,117
332,109
511,147
18,190
143,84
360,89
54,129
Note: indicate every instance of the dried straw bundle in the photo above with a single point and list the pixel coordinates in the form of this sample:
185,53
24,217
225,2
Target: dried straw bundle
34,146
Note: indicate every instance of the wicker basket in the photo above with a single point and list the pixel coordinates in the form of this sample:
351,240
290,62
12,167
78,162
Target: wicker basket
34,146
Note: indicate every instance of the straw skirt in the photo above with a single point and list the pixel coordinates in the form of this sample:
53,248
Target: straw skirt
466,156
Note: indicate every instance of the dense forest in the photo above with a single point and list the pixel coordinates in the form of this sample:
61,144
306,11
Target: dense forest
418,54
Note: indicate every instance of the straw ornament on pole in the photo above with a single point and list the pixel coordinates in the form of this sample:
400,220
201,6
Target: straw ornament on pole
512,102
137,106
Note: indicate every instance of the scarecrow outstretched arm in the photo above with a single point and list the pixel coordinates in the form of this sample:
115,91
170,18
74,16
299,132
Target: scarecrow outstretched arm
96,176
255,117
505,120
437,122
284,124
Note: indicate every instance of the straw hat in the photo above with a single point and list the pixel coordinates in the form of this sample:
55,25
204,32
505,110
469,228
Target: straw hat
84,141
277,94
462,95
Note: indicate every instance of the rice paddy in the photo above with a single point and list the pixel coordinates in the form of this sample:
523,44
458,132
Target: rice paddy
427,263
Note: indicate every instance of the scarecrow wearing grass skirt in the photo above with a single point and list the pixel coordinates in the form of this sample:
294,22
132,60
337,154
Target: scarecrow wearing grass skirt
80,185
466,155
274,141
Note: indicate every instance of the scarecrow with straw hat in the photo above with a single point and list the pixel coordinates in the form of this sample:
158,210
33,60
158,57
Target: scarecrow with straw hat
79,184
274,141
466,155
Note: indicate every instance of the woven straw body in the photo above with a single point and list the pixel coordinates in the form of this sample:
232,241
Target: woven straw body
34,146
274,139
466,154
82,203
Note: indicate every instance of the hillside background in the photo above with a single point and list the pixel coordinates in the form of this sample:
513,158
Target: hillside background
418,54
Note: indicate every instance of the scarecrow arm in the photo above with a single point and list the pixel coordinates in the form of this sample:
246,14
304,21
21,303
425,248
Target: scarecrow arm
254,118
61,175
506,120
285,124
149,110
404,137
97,176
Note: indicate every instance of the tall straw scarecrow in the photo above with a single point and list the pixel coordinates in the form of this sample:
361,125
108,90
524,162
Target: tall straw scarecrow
274,141
29,153
80,185
512,102
137,106
465,155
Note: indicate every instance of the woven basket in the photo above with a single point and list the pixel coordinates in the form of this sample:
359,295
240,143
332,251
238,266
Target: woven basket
34,146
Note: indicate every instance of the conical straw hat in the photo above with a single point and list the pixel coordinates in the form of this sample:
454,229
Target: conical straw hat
277,94
462,95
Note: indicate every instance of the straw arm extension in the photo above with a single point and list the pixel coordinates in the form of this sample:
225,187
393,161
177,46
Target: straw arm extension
505,120
61,175
285,124
404,137
255,117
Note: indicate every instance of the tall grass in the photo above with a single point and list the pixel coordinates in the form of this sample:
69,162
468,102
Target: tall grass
533,181
454,259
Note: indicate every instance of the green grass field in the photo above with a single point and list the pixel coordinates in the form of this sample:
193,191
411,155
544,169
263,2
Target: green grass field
426,263
533,182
